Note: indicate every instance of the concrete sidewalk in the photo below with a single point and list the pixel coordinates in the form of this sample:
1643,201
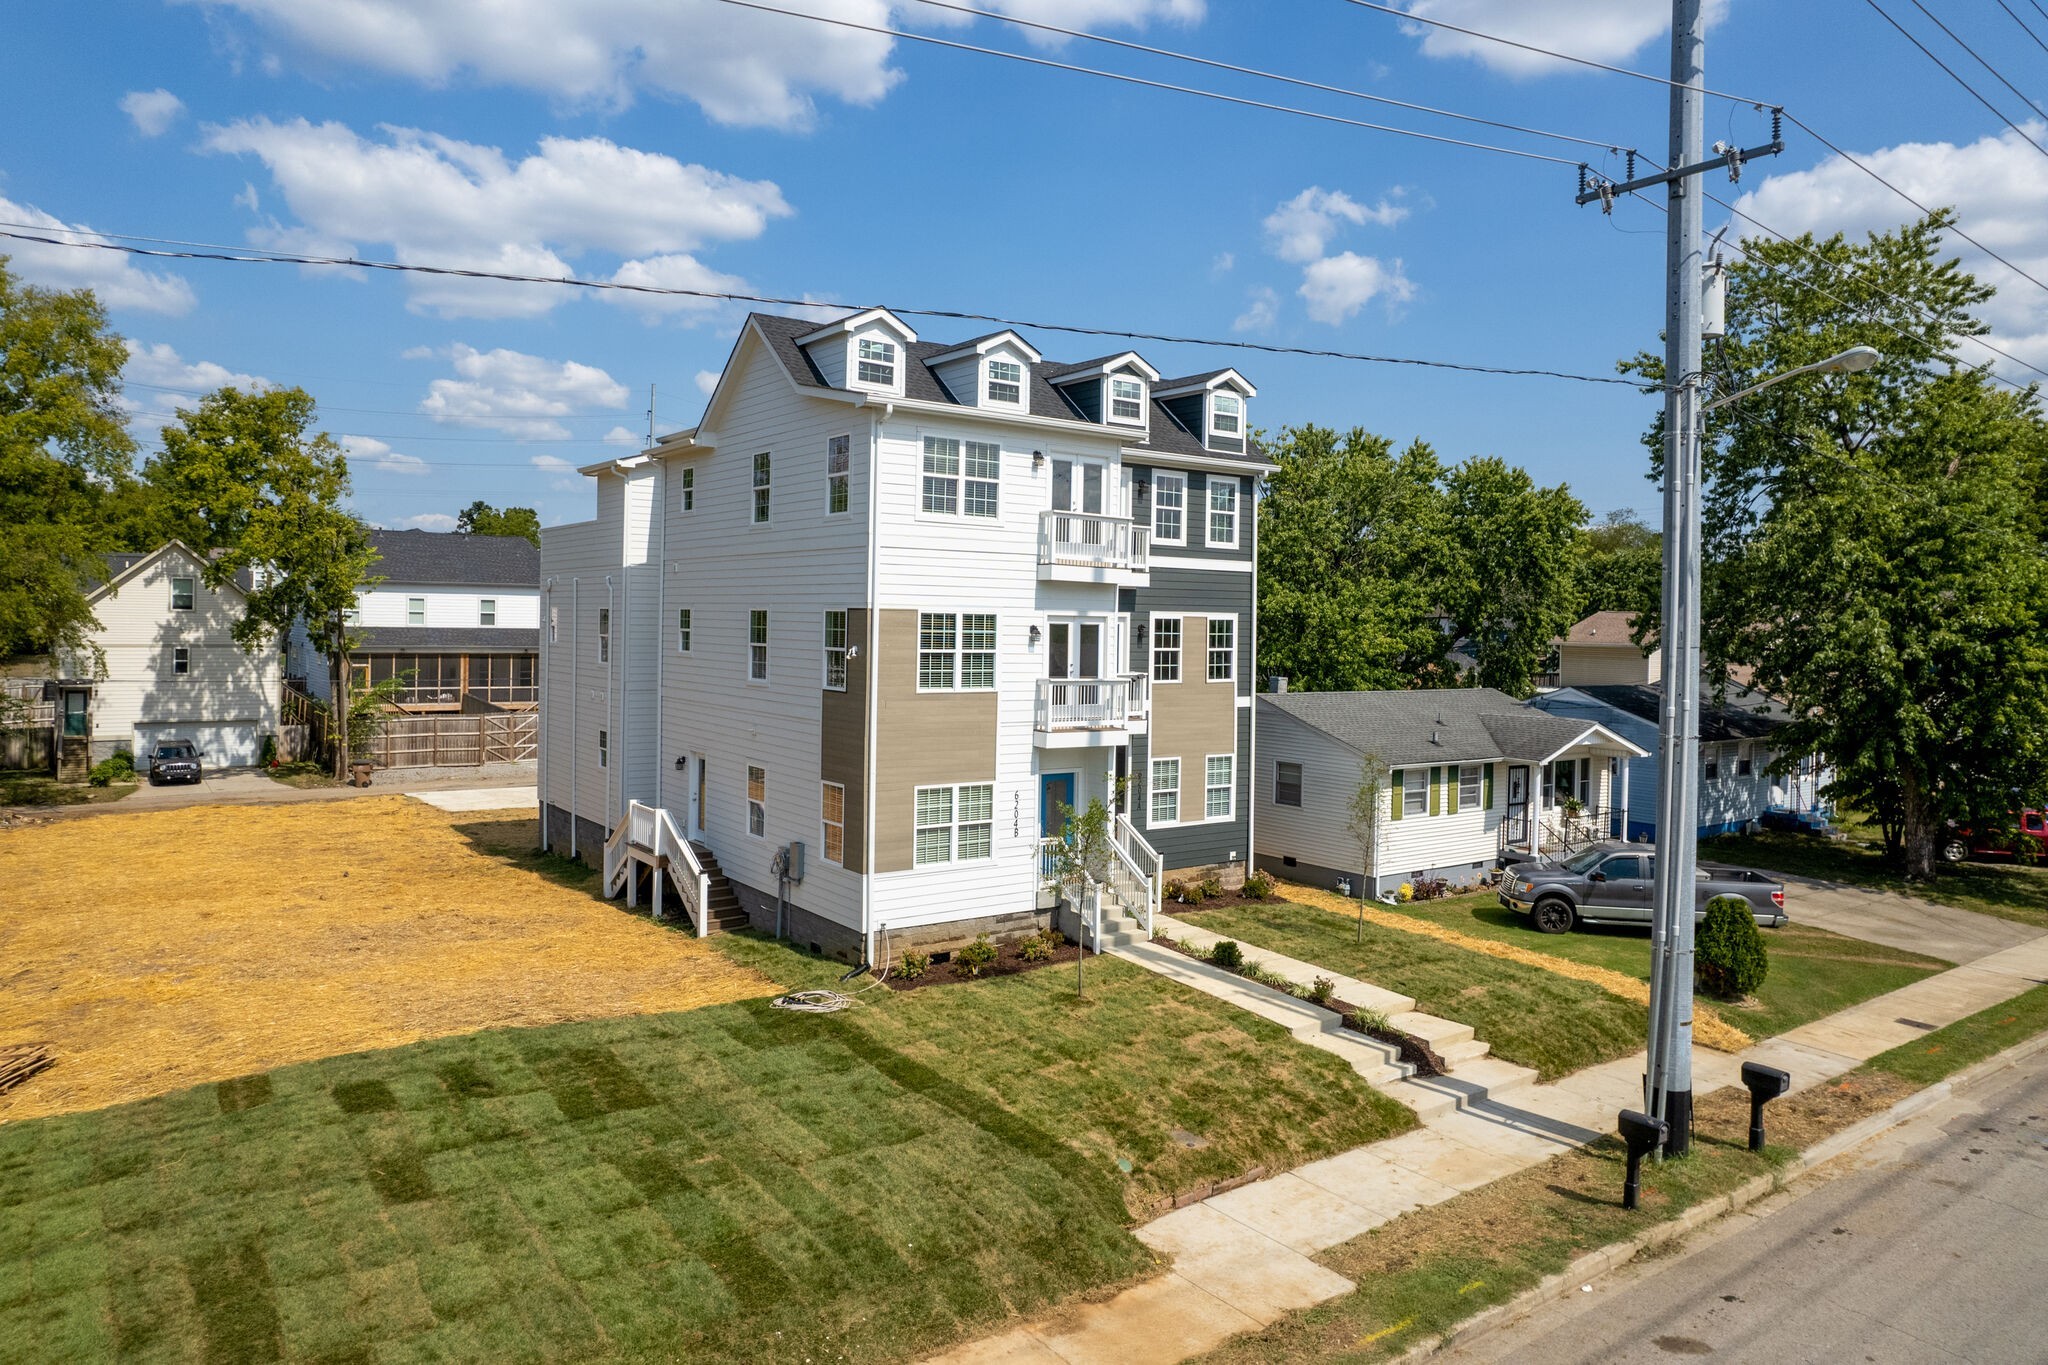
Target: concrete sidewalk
1243,1259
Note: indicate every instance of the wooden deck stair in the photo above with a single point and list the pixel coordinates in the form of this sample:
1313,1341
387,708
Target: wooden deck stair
726,912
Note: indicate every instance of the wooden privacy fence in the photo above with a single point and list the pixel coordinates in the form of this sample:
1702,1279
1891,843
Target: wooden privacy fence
454,741
32,749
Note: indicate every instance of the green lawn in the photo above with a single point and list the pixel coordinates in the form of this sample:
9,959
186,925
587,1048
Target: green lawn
1946,1051
1990,888
1530,1016
735,1183
40,789
1813,972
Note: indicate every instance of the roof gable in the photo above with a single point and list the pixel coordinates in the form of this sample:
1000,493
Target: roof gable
1440,725
125,568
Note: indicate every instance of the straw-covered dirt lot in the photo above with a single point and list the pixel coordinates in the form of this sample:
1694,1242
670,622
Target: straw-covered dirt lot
162,949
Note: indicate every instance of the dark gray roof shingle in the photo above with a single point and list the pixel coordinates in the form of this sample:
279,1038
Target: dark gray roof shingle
1440,725
1717,723
449,640
453,558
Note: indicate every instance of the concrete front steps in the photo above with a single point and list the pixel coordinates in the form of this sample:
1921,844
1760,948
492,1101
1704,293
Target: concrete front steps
1474,1075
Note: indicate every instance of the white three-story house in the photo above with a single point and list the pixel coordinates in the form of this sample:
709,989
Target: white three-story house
855,642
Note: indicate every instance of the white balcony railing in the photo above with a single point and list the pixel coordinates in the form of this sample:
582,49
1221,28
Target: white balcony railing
1087,541
1083,704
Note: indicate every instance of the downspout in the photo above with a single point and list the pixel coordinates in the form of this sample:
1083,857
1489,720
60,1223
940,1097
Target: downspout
1251,782
611,617
874,645
547,589
660,635
575,708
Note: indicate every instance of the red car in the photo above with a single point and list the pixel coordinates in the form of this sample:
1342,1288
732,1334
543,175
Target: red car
2026,838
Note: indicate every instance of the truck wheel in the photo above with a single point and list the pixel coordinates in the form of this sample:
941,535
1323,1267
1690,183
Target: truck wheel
1553,916
1954,851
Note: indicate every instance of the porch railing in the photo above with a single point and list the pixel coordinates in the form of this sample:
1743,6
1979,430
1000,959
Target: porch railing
1144,860
1559,830
652,837
1093,541
1083,704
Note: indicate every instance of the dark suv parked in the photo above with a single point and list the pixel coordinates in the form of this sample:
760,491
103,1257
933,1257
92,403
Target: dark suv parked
174,760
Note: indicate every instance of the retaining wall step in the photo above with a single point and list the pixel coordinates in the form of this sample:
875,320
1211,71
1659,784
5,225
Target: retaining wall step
1438,1033
1482,1079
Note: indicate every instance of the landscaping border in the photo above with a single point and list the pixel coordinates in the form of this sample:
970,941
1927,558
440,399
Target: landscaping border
1594,1264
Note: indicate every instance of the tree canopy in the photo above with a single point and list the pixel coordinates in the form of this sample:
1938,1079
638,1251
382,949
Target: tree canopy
482,519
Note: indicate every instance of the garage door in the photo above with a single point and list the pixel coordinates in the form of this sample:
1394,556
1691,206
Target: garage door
222,746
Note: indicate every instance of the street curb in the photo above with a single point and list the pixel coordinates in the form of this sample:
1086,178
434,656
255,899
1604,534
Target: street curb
1614,1255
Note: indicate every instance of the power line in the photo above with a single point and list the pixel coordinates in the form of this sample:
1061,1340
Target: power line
1957,39
1974,92
1267,75
1050,64
2023,26
230,255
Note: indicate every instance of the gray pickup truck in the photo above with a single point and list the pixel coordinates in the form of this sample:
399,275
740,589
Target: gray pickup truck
1612,884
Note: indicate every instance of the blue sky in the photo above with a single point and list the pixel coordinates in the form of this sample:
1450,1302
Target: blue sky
691,142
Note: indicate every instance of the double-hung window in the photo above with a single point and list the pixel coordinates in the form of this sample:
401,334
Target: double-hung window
687,484
1165,806
757,800
762,490
181,662
604,635
838,469
877,362
1414,793
682,630
941,475
1126,400
1169,508
1219,786
415,611
954,824
956,651
487,612
757,646
183,592
1222,511
984,472
835,650
834,821
1226,418
1005,381
1469,792
604,749
1222,648
1287,784
1166,649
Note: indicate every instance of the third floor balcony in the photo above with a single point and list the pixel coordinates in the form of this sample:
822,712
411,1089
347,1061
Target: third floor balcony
1086,547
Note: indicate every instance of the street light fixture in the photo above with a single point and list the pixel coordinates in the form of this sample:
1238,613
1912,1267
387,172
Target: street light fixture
1852,361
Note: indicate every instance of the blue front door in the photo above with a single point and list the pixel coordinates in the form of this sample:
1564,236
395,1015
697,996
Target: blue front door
1055,795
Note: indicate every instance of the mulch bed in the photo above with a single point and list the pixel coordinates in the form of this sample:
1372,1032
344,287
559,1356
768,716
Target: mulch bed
1007,963
1223,902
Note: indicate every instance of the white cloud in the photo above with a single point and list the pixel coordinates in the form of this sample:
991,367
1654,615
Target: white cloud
440,201
1999,188
425,521
375,454
154,111
109,274
672,272
1300,230
707,382
564,475
1223,263
617,436
1338,286
159,366
1602,30
517,394
248,199
1260,312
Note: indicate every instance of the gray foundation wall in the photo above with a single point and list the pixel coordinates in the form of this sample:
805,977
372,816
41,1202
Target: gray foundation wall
590,836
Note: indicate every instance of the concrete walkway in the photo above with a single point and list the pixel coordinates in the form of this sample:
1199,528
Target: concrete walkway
249,788
1243,1259
1897,921
481,798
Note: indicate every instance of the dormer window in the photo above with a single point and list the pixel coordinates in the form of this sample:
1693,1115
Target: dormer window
1229,415
1005,381
877,362
1126,400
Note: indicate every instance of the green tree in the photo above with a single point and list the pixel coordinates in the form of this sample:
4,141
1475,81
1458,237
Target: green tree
64,452
1874,541
1623,564
1511,583
482,519
1350,549
251,481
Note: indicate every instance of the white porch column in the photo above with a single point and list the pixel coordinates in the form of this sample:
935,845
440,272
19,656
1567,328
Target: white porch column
1623,800
1536,810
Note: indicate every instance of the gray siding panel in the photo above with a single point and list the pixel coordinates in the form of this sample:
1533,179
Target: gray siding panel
1199,845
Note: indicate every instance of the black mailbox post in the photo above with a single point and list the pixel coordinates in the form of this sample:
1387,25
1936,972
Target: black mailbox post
1765,1084
1643,1135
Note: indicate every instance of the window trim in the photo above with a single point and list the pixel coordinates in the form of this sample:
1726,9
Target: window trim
826,824
761,644
840,649
420,611
958,651
1180,482
1219,483
762,512
181,661
756,806
191,583
989,381
1153,791
604,749
1415,793
1478,798
684,621
686,489
1215,432
1300,779
1109,401
1154,649
1229,789
839,481
487,611
953,824
1209,649
857,359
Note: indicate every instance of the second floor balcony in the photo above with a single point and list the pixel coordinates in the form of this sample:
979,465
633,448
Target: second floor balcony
1088,713
1086,547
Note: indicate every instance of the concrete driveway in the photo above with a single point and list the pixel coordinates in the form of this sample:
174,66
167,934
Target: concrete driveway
470,789
1897,921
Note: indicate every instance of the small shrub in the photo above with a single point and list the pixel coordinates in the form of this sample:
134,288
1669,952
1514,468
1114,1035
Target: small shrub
1322,990
913,964
1212,887
977,957
1405,893
1731,960
1176,891
119,768
1193,893
1429,888
269,759
1054,939
1228,956
1258,885
1035,949
1368,1020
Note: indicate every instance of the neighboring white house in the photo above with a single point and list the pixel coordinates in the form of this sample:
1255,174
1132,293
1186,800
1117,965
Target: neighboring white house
1736,753
1463,774
173,669
457,616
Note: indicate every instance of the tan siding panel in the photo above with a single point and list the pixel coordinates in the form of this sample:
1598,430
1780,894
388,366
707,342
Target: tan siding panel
843,742
923,739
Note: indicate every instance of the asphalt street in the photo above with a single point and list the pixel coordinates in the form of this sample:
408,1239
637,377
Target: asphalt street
1934,1248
